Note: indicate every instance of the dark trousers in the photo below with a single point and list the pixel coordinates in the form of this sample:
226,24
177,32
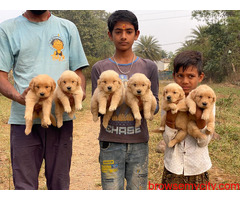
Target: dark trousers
52,144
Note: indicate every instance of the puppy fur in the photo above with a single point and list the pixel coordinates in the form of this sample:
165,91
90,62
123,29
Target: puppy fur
109,85
174,100
41,92
204,97
69,85
139,90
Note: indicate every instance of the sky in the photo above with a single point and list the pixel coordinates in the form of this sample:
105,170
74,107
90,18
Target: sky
170,22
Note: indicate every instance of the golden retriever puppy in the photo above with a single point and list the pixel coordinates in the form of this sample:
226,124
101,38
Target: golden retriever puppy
174,100
109,86
204,97
69,85
139,90
41,92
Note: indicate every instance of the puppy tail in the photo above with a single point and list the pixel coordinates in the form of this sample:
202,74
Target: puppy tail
53,120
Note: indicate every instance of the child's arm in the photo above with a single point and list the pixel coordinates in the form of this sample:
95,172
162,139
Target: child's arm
199,121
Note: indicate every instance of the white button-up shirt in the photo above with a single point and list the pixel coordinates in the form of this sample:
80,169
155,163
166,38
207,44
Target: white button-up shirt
189,157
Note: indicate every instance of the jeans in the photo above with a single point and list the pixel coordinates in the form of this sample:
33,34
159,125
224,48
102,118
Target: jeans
119,161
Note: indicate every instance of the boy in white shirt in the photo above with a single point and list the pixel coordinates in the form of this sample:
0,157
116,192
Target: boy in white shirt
187,163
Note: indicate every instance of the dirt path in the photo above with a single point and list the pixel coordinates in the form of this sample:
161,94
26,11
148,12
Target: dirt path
85,169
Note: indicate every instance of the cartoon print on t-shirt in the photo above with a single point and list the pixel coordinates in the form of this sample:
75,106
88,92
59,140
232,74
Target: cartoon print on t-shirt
58,45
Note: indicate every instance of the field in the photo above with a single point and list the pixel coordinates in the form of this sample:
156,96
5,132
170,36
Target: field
224,152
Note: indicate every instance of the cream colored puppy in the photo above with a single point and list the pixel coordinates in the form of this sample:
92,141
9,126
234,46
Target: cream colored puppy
41,92
139,90
109,86
174,100
69,85
204,97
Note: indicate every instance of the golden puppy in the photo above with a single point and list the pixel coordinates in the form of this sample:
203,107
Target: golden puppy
139,90
174,100
41,92
203,97
109,86
69,85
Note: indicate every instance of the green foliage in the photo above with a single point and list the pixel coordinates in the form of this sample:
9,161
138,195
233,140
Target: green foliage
92,27
219,41
148,47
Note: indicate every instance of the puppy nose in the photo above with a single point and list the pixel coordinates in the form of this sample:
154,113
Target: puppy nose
42,94
109,87
204,104
168,97
69,88
139,91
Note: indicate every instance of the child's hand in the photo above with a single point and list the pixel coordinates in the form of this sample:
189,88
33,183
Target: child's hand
199,121
170,119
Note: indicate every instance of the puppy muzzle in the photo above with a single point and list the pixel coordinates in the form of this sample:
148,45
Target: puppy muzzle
204,104
139,91
169,98
109,88
42,94
69,88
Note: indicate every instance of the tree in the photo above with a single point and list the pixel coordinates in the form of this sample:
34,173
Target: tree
148,47
92,26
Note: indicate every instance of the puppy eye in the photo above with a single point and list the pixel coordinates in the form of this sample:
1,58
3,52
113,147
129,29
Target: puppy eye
134,85
209,97
47,87
105,81
200,96
143,85
114,81
72,81
64,82
37,87
174,92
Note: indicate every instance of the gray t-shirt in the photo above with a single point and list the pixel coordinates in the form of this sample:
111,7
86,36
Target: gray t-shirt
121,128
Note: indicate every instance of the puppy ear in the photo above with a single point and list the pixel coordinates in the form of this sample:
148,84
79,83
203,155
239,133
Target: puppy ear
98,81
182,94
59,81
214,97
149,84
53,85
32,84
78,81
192,94
129,83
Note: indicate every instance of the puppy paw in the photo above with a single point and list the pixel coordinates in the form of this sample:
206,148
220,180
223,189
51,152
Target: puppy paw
192,110
27,131
105,124
102,111
209,131
205,116
28,117
147,116
173,106
59,124
78,107
67,109
138,117
137,123
162,128
112,108
95,118
174,111
171,143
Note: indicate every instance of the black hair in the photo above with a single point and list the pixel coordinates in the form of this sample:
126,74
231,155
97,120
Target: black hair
188,58
122,15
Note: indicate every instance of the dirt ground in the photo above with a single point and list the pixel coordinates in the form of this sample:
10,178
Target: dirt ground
85,168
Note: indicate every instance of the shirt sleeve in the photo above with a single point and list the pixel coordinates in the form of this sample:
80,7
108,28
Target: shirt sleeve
155,85
77,57
6,56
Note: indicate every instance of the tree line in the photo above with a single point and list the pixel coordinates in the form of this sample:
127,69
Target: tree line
218,40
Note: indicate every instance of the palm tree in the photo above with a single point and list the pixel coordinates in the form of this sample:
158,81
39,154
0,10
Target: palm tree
148,47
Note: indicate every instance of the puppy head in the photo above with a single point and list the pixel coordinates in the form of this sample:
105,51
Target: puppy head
139,84
42,85
69,81
109,81
173,93
203,96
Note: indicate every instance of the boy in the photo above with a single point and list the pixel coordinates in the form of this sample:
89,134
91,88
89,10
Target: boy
124,147
187,162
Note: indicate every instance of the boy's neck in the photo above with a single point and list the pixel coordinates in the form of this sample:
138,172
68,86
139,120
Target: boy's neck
124,57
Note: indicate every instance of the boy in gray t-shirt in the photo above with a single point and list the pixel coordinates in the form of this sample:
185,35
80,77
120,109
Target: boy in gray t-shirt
124,147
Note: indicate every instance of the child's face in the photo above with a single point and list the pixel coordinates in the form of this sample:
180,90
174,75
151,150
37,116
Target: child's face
123,35
188,79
